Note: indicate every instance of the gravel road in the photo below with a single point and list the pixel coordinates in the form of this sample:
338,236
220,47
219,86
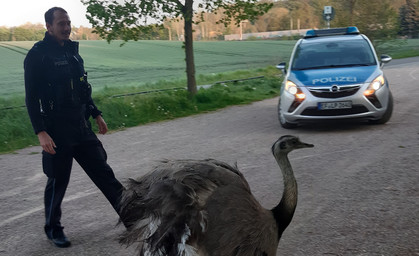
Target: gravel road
358,187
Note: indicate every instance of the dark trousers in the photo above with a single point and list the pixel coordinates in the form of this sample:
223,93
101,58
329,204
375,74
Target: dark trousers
92,158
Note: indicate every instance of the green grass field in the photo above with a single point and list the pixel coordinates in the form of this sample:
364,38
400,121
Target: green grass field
137,63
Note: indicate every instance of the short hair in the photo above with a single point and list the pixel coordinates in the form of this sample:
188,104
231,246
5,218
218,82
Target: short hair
49,15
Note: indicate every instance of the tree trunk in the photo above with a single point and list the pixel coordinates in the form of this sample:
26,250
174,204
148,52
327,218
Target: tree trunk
190,63
352,11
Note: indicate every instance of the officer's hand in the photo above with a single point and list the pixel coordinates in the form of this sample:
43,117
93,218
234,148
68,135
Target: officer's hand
46,142
103,127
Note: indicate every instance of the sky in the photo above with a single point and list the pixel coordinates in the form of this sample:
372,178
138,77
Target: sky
18,12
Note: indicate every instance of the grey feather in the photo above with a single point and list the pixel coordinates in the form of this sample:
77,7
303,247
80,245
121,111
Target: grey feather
205,207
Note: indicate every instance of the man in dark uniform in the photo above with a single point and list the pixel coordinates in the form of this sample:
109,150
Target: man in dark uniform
59,103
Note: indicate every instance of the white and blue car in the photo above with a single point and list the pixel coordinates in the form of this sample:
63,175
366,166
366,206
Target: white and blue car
334,74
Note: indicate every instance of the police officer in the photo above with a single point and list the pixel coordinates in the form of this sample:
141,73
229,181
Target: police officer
59,103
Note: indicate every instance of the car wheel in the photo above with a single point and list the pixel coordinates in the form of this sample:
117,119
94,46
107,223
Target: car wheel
384,119
282,120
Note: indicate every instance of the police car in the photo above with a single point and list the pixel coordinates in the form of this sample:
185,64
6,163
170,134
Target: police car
334,74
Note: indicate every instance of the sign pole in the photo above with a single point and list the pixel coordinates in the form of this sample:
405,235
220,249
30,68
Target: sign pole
328,14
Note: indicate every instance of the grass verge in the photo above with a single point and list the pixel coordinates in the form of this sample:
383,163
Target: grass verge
137,109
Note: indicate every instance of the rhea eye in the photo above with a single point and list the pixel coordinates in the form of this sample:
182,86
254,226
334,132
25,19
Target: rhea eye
282,145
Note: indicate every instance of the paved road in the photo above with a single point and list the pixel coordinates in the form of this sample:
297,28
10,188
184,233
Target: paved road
358,188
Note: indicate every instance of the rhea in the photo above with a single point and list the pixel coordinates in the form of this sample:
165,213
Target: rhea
206,208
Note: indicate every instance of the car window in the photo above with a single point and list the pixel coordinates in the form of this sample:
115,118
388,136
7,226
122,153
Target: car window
333,54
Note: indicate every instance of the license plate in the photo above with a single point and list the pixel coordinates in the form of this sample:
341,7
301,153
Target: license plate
335,105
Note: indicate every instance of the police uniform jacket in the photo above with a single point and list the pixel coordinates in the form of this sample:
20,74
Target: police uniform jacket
58,96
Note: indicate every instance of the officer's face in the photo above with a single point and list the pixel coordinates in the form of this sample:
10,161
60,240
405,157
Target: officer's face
60,28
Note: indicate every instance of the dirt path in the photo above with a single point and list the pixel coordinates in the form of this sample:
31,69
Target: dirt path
358,188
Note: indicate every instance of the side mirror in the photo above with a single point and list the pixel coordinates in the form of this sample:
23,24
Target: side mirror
282,67
385,59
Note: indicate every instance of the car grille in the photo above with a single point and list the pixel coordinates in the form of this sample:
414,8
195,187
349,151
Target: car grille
334,91
313,111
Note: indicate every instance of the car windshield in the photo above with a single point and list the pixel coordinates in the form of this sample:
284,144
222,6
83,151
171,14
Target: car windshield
348,53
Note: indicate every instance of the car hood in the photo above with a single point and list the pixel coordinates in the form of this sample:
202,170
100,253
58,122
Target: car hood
334,76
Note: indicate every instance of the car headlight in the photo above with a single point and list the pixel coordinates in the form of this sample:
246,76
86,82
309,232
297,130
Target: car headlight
376,84
291,87
294,90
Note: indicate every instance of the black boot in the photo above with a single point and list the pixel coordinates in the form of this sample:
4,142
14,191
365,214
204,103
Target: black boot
56,235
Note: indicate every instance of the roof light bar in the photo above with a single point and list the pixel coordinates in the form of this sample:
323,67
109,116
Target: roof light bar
332,32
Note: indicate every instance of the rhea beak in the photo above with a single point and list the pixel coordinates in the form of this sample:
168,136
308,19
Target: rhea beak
305,145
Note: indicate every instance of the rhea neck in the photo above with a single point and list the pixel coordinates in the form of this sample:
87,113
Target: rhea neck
284,211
